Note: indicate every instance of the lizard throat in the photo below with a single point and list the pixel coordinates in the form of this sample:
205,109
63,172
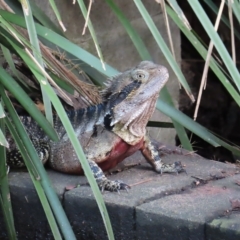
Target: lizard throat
132,128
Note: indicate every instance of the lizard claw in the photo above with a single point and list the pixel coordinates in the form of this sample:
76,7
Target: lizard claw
119,185
178,167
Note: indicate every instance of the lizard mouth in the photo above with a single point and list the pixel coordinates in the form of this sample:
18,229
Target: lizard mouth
159,78
141,101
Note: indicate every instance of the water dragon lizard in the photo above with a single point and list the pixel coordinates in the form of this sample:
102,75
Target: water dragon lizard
109,131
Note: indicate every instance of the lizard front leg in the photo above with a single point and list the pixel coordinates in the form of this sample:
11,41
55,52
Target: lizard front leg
150,152
103,182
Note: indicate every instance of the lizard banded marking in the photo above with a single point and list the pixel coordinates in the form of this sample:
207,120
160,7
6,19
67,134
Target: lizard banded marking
109,131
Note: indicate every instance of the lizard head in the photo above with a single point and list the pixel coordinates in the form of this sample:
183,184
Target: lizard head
133,95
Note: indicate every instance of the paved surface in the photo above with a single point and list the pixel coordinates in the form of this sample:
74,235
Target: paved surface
203,204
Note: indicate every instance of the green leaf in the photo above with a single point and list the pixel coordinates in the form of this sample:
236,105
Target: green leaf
218,44
236,9
37,170
3,141
12,86
63,84
2,114
43,18
203,52
224,19
187,122
35,179
55,9
179,12
92,31
87,60
136,39
195,127
145,55
75,142
165,96
162,45
8,57
37,54
5,200
78,149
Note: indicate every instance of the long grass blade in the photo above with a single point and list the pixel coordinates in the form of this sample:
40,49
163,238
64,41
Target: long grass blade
196,128
36,182
13,87
236,9
8,57
3,140
78,52
165,96
2,114
92,31
203,52
5,200
78,149
162,45
226,58
136,39
55,9
43,18
75,142
39,169
180,13
145,55
224,19
37,54
39,73
67,46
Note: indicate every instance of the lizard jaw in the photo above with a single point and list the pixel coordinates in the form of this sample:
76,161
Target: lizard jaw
130,117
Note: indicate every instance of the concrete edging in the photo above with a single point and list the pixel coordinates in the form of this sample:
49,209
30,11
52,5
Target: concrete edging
194,206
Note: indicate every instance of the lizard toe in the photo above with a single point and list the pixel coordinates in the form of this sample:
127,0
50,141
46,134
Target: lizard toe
178,167
122,185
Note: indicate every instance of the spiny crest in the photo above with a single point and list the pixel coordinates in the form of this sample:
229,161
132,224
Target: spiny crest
107,91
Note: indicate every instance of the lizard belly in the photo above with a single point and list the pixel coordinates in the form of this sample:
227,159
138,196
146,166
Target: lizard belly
107,150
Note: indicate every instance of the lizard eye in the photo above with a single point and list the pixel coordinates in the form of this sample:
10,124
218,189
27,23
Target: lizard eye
140,75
